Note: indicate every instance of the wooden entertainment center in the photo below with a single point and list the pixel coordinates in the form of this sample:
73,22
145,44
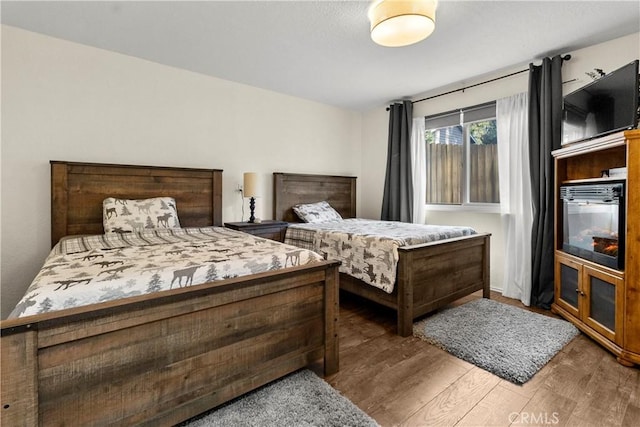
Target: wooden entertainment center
603,302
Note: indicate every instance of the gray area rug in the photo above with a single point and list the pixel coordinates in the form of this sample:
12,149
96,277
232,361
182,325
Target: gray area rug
299,399
507,341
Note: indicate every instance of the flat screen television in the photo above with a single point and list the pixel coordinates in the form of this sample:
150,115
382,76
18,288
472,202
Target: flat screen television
606,105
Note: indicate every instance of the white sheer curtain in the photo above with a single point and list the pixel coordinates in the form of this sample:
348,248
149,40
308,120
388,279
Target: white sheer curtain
515,194
418,168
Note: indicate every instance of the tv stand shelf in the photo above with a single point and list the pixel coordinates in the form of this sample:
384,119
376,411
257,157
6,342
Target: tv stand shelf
602,302
594,180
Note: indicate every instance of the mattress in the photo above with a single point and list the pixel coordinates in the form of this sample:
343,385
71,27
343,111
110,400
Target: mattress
93,269
368,249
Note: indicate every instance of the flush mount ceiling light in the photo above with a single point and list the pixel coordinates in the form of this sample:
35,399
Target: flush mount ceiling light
397,23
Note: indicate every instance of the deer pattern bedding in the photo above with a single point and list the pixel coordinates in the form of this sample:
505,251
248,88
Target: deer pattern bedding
92,269
368,249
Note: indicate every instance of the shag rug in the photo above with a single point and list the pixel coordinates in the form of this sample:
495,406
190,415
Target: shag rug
507,341
299,399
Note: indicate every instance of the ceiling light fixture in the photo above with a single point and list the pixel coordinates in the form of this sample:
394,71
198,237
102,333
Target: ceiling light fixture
397,23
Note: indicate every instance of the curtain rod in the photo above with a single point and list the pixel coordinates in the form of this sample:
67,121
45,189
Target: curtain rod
564,58
469,87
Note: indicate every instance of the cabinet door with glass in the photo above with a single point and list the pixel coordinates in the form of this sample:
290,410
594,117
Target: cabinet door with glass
603,302
593,295
568,280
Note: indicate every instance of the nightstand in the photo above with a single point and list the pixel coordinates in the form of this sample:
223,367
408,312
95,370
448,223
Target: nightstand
268,229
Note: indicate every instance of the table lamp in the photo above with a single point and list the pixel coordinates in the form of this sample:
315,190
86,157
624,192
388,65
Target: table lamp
250,188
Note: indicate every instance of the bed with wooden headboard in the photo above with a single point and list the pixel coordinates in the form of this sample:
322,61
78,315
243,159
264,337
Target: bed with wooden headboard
429,275
161,358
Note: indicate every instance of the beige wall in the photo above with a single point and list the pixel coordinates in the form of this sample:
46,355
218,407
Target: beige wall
607,56
65,101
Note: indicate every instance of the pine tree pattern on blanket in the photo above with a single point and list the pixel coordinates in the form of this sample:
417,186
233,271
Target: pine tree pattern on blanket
93,269
368,249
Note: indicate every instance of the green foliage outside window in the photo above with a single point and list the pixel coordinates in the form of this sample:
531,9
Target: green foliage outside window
484,133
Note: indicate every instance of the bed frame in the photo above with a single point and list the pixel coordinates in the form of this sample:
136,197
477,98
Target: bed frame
161,358
429,276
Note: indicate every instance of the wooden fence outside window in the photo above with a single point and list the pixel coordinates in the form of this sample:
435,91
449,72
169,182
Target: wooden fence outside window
445,173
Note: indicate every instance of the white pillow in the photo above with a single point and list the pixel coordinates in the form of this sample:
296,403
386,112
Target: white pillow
125,216
316,212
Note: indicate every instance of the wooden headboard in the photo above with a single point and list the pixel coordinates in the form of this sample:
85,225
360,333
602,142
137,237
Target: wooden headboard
291,189
78,189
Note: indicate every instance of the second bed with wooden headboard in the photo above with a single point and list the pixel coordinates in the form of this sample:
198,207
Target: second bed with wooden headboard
429,275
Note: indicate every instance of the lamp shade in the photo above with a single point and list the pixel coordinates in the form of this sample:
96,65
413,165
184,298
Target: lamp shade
397,23
250,185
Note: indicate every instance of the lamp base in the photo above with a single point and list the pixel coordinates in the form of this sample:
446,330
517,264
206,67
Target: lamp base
252,208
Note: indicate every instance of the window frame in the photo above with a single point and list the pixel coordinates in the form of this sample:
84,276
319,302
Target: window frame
465,193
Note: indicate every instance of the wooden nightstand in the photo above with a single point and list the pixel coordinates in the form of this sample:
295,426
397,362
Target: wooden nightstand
268,229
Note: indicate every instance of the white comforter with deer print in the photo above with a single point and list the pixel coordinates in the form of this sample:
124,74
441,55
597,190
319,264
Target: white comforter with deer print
368,249
92,269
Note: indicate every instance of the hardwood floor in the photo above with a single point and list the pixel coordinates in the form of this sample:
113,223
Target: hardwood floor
408,382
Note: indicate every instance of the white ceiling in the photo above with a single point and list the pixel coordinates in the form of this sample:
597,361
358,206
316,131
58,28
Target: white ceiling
321,50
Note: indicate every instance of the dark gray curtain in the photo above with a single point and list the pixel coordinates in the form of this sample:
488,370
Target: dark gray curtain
545,121
397,201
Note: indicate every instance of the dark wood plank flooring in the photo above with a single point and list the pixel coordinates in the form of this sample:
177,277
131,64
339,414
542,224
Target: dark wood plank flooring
408,382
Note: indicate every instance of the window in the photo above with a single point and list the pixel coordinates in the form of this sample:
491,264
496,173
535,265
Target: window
462,156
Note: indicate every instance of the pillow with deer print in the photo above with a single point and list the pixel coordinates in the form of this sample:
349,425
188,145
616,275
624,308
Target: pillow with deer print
316,212
125,216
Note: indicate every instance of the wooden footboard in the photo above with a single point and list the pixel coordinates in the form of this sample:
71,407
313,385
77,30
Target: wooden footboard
430,276
161,359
